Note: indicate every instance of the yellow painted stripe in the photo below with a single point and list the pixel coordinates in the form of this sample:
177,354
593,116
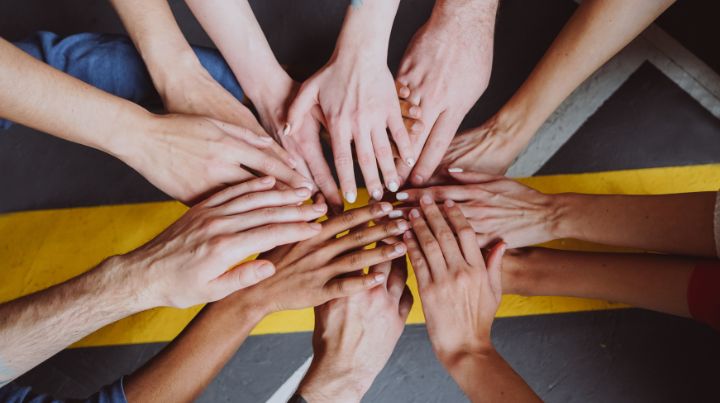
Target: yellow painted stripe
41,248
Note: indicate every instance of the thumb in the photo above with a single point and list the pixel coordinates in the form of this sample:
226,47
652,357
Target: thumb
467,177
304,101
242,276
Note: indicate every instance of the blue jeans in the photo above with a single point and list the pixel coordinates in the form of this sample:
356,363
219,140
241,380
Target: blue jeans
111,63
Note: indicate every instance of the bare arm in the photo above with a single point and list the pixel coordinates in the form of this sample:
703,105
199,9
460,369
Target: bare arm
596,31
501,208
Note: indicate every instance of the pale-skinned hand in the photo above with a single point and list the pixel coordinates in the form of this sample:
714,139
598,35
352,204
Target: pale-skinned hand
459,289
188,157
445,70
355,336
498,208
312,272
198,259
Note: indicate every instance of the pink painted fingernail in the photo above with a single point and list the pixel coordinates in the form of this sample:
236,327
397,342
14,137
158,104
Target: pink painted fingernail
320,208
418,179
315,226
414,213
378,278
377,194
385,207
426,199
267,180
449,203
302,192
266,270
398,249
401,225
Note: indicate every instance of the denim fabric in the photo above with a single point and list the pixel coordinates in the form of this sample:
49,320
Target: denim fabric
12,393
111,63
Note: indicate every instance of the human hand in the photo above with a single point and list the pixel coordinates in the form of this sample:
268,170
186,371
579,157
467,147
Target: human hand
357,98
355,336
445,69
308,272
498,208
460,291
188,263
189,156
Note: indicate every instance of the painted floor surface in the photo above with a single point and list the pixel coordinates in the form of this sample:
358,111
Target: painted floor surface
649,119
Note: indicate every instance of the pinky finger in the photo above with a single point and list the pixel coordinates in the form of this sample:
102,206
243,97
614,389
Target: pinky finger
346,286
242,276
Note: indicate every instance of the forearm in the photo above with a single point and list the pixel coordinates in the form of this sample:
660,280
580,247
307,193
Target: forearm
596,31
232,26
654,282
39,96
485,376
37,326
678,223
158,39
181,371
366,29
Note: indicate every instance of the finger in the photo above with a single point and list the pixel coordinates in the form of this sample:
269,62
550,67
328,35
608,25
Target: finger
401,138
402,90
237,247
383,268
313,153
406,303
463,176
443,233
429,245
304,101
438,193
494,266
259,141
384,154
232,192
242,276
364,237
414,127
353,218
347,286
397,277
409,110
433,151
365,258
465,233
263,162
368,165
270,215
417,259
269,198
340,138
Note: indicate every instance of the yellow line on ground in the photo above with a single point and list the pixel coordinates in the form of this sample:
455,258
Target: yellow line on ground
42,248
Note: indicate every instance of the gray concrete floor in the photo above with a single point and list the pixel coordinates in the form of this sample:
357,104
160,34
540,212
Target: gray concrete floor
624,356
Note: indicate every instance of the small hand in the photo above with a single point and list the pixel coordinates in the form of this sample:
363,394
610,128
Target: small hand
445,70
189,156
460,290
358,102
497,208
199,258
355,336
310,272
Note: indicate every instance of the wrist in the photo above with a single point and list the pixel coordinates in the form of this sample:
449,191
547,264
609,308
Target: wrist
451,360
563,216
468,11
168,63
366,30
122,281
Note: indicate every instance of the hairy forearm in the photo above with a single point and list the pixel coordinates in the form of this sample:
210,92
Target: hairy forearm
158,38
232,26
679,223
485,376
181,371
37,326
655,282
39,96
595,32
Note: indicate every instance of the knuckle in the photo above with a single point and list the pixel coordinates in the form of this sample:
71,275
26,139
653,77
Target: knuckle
466,231
445,234
358,237
349,218
355,260
365,158
430,246
343,160
383,152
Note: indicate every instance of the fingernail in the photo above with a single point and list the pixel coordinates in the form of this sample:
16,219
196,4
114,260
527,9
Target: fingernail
393,186
267,180
407,235
395,214
410,162
426,199
309,185
320,208
404,92
414,111
286,129
414,213
265,270
401,225
418,179
416,127
350,197
385,207
402,196
398,249
449,203
377,194
315,226
266,139
455,170
378,278
303,192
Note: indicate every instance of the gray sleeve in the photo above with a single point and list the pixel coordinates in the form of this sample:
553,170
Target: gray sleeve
716,224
